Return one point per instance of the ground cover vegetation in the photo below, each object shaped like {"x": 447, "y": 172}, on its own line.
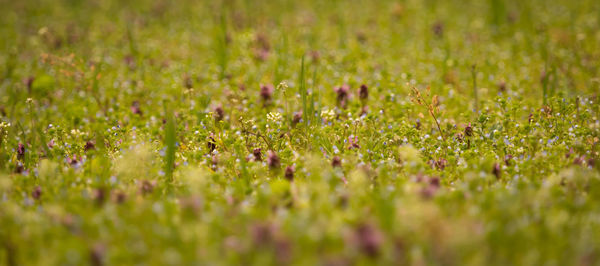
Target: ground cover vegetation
{"x": 299, "y": 132}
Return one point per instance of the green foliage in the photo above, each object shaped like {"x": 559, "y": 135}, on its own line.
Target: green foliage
{"x": 309, "y": 132}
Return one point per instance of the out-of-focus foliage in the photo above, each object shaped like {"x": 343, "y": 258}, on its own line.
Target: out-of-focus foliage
{"x": 299, "y": 132}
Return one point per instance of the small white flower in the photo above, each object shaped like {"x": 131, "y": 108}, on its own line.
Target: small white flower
{"x": 328, "y": 114}
{"x": 274, "y": 117}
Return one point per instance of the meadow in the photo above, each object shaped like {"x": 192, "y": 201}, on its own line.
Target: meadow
{"x": 239, "y": 132}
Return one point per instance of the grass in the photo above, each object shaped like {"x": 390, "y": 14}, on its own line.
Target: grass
{"x": 299, "y": 132}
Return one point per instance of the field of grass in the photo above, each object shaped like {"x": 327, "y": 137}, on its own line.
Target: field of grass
{"x": 240, "y": 132}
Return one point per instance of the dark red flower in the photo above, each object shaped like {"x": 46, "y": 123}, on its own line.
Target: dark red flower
{"x": 289, "y": 173}
{"x": 438, "y": 29}
{"x": 219, "y": 113}
{"x": 135, "y": 108}
{"x": 369, "y": 239}
{"x": 36, "y": 193}
{"x": 502, "y": 86}
{"x": 273, "y": 160}
{"x": 297, "y": 118}
{"x": 262, "y": 233}
{"x": 336, "y": 161}
{"x": 99, "y": 196}
{"x": 72, "y": 160}
{"x": 579, "y": 160}
{"x": 469, "y": 130}
{"x": 97, "y": 255}
{"x": 507, "y": 159}
{"x": 28, "y": 82}
{"x": 89, "y": 145}
{"x": 119, "y": 197}
{"x": 20, "y": 151}
{"x": 187, "y": 81}
{"x": 497, "y": 171}
{"x": 441, "y": 163}
{"x": 343, "y": 93}
{"x": 146, "y": 187}
{"x": 363, "y": 92}
{"x": 266, "y": 92}
{"x": 257, "y": 153}
{"x": 434, "y": 181}
{"x": 211, "y": 144}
